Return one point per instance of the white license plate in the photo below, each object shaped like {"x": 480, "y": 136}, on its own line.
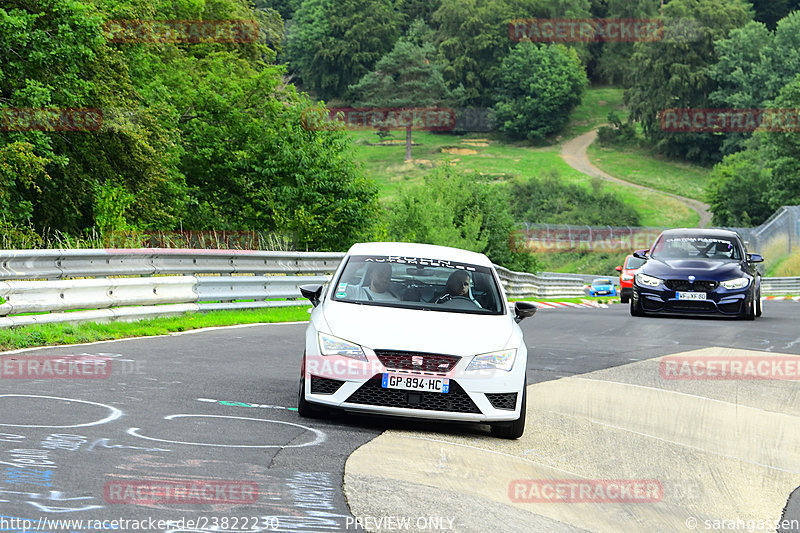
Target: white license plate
{"x": 417, "y": 383}
{"x": 690, "y": 295}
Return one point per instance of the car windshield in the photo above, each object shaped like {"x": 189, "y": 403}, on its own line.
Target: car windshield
{"x": 634, "y": 263}
{"x": 601, "y": 282}
{"x": 696, "y": 247}
{"x": 419, "y": 283}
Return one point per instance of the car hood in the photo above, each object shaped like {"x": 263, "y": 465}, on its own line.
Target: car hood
{"x": 683, "y": 268}
{"x": 390, "y": 328}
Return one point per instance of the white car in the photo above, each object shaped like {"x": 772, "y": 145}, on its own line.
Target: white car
{"x": 416, "y": 330}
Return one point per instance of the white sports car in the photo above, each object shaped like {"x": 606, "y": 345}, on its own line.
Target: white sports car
{"x": 416, "y": 330}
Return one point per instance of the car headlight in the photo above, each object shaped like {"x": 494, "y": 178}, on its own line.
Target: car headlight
{"x": 626, "y": 277}
{"x": 330, "y": 345}
{"x": 648, "y": 281}
{"x": 502, "y": 360}
{"x": 738, "y": 283}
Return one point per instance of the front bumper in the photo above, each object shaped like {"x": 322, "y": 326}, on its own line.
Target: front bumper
{"x": 718, "y": 302}
{"x": 475, "y": 396}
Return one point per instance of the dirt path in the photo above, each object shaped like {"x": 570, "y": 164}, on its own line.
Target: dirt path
{"x": 573, "y": 152}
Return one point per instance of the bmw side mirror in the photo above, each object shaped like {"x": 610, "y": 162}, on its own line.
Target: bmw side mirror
{"x": 640, "y": 254}
{"x": 312, "y": 292}
{"x": 754, "y": 258}
{"x": 524, "y": 310}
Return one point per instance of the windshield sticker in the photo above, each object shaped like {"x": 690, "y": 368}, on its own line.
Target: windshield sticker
{"x": 698, "y": 239}
{"x": 420, "y": 262}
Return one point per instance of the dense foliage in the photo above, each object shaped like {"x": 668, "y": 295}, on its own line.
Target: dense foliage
{"x": 200, "y": 135}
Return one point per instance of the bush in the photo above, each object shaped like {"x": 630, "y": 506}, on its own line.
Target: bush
{"x": 462, "y": 210}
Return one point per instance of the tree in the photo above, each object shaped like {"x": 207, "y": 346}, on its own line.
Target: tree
{"x": 408, "y": 76}
{"x": 56, "y": 57}
{"x": 771, "y": 11}
{"x": 747, "y": 187}
{"x": 472, "y": 35}
{"x": 333, "y": 43}
{"x": 537, "y": 88}
{"x": 674, "y": 72}
{"x": 614, "y": 64}
{"x": 736, "y": 190}
{"x": 753, "y": 65}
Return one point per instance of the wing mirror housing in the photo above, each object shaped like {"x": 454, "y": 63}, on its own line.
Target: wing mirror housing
{"x": 523, "y": 310}
{"x": 640, "y": 254}
{"x": 618, "y": 269}
{"x": 754, "y": 258}
{"x": 312, "y": 292}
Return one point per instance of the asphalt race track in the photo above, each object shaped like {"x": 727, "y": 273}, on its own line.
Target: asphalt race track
{"x": 207, "y": 419}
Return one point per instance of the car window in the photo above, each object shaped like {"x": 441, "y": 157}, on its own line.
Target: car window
{"x": 418, "y": 283}
{"x": 633, "y": 263}
{"x": 696, "y": 247}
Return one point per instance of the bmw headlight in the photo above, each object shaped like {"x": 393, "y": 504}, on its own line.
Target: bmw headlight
{"x": 647, "y": 281}
{"x": 502, "y": 360}
{"x": 738, "y": 283}
{"x": 330, "y": 345}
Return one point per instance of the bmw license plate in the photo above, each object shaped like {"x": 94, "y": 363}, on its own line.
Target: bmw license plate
{"x": 417, "y": 383}
{"x": 690, "y": 295}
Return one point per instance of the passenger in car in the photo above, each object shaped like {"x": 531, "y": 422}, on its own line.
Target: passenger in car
{"x": 377, "y": 283}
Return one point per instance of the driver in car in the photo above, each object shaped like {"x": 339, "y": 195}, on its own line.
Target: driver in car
{"x": 457, "y": 286}
{"x": 379, "y": 277}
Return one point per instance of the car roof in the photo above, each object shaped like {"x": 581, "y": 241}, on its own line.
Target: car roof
{"x": 700, "y": 232}
{"x": 425, "y": 251}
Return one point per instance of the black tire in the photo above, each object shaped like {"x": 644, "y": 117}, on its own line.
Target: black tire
{"x": 758, "y": 303}
{"x": 515, "y": 429}
{"x": 636, "y": 307}
{"x": 304, "y": 408}
{"x": 749, "y": 312}
{"x": 623, "y": 299}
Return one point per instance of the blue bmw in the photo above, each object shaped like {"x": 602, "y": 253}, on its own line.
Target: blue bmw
{"x": 698, "y": 272}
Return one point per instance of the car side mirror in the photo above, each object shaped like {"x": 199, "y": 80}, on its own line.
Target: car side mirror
{"x": 640, "y": 254}
{"x": 524, "y": 310}
{"x": 312, "y": 292}
{"x": 754, "y": 258}
{"x": 619, "y": 269}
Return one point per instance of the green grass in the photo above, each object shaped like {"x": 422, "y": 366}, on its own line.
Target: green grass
{"x": 501, "y": 160}
{"x": 57, "y": 334}
{"x": 593, "y": 111}
{"x": 645, "y": 167}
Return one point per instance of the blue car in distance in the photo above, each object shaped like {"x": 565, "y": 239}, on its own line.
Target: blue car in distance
{"x": 602, "y": 287}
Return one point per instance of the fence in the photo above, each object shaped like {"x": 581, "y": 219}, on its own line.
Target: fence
{"x": 782, "y": 227}
{"x": 130, "y": 284}
{"x": 46, "y": 286}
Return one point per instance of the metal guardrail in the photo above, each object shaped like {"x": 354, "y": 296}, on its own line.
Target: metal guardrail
{"x": 46, "y": 286}
{"x": 780, "y": 286}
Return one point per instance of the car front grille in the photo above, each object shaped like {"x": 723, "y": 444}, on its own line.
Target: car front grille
{"x": 426, "y": 362}
{"x": 699, "y": 306}
{"x": 324, "y": 385}
{"x": 504, "y": 400}
{"x": 685, "y": 285}
{"x": 454, "y": 401}
{"x": 732, "y": 307}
